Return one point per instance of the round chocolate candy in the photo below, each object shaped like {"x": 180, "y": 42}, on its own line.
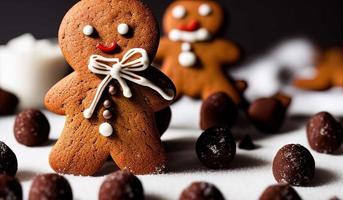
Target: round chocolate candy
{"x": 218, "y": 110}
{"x": 324, "y": 133}
{"x": 50, "y": 186}
{"x": 201, "y": 191}
{"x": 10, "y": 188}
{"x": 216, "y": 148}
{"x": 121, "y": 185}
{"x": 293, "y": 164}
{"x": 31, "y": 128}
{"x": 8, "y": 102}
{"x": 280, "y": 192}
{"x": 8, "y": 160}
{"x": 267, "y": 114}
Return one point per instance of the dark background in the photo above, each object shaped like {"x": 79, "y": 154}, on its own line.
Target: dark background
{"x": 255, "y": 25}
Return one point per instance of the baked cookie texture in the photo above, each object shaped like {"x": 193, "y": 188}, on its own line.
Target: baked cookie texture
{"x": 329, "y": 72}
{"x": 109, "y": 40}
{"x": 193, "y": 55}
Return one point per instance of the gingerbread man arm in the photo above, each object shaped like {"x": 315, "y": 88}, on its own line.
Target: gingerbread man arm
{"x": 226, "y": 52}
{"x": 155, "y": 100}
{"x": 57, "y": 96}
{"x": 162, "y": 50}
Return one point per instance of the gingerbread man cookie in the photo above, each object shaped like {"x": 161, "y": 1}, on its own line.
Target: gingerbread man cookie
{"x": 111, "y": 98}
{"x": 329, "y": 72}
{"x": 194, "y": 56}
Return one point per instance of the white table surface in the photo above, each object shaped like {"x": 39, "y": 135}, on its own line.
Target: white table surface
{"x": 249, "y": 175}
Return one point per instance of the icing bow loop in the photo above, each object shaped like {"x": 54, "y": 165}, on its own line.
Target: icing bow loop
{"x": 122, "y": 71}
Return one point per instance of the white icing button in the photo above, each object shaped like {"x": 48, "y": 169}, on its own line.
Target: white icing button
{"x": 186, "y": 47}
{"x": 88, "y": 30}
{"x": 179, "y": 12}
{"x": 107, "y": 114}
{"x": 107, "y": 104}
{"x": 187, "y": 59}
{"x": 105, "y": 129}
{"x": 205, "y": 10}
{"x": 87, "y": 114}
{"x": 123, "y": 29}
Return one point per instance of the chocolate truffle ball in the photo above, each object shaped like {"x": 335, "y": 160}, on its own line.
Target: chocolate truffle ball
{"x": 8, "y": 160}
{"x": 218, "y": 110}
{"x": 51, "y": 187}
{"x": 201, "y": 191}
{"x": 246, "y": 143}
{"x": 31, "y": 128}
{"x": 8, "y": 102}
{"x": 280, "y": 192}
{"x": 10, "y": 188}
{"x": 121, "y": 185}
{"x": 163, "y": 118}
{"x": 324, "y": 133}
{"x": 293, "y": 164}
{"x": 216, "y": 148}
{"x": 267, "y": 114}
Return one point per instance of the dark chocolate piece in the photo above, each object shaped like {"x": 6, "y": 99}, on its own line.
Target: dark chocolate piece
{"x": 31, "y": 128}
{"x": 324, "y": 133}
{"x": 293, "y": 164}
{"x": 50, "y": 186}
{"x": 201, "y": 191}
{"x": 216, "y": 148}
{"x": 121, "y": 185}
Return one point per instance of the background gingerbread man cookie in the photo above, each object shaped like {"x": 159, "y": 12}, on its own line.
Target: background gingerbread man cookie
{"x": 111, "y": 97}
{"x": 329, "y": 72}
{"x": 194, "y": 56}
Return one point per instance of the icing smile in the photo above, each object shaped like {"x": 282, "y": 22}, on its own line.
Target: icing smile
{"x": 190, "y": 27}
{"x": 107, "y": 49}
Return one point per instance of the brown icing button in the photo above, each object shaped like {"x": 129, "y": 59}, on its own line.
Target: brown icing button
{"x": 8, "y": 102}
{"x": 201, "y": 191}
{"x": 107, "y": 104}
{"x": 267, "y": 114}
{"x": 31, "y": 128}
{"x": 246, "y": 143}
{"x": 121, "y": 185}
{"x": 107, "y": 114}
{"x": 8, "y": 160}
{"x": 163, "y": 118}
{"x": 324, "y": 133}
{"x": 112, "y": 90}
{"x": 10, "y": 188}
{"x": 50, "y": 186}
{"x": 293, "y": 164}
{"x": 218, "y": 110}
{"x": 216, "y": 148}
{"x": 280, "y": 192}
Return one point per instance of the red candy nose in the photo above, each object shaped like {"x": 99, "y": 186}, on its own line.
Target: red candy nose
{"x": 107, "y": 49}
{"x": 191, "y": 26}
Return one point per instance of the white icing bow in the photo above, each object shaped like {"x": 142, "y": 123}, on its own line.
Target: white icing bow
{"x": 121, "y": 70}
{"x": 191, "y": 37}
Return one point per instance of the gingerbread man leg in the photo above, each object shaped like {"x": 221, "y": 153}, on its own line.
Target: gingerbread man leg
{"x": 79, "y": 152}
{"x": 318, "y": 83}
{"x": 138, "y": 147}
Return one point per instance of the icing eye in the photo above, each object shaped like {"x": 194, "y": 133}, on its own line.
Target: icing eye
{"x": 88, "y": 30}
{"x": 205, "y": 10}
{"x": 179, "y": 12}
{"x": 123, "y": 29}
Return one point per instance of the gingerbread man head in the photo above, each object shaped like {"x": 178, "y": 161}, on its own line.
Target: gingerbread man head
{"x": 111, "y": 98}
{"x": 193, "y": 21}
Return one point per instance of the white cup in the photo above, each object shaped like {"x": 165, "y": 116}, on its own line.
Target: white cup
{"x": 29, "y": 68}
